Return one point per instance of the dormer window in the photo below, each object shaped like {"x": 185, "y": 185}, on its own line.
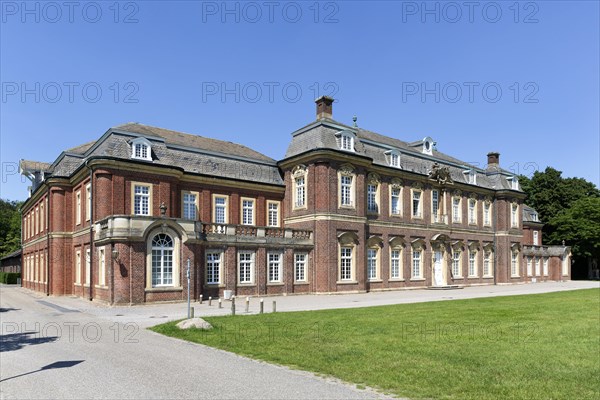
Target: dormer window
{"x": 141, "y": 149}
{"x": 346, "y": 140}
{"x": 514, "y": 182}
{"x": 534, "y": 217}
{"x": 393, "y": 158}
{"x": 347, "y": 143}
{"x": 428, "y": 145}
{"x": 471, "y": 176}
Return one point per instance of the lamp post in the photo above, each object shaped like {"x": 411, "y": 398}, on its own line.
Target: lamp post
{"x": 188, "y": 287}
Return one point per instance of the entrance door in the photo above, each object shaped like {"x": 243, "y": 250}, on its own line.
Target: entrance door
{"x": 438, "y": 273}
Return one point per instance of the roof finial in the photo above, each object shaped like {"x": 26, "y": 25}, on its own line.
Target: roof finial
{"x": 354, "y": 120}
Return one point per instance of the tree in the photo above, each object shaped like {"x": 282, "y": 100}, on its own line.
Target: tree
{"x": 549, "y": 193}
{"x": 10, "y": 226}
{"x": 579, "y": 226}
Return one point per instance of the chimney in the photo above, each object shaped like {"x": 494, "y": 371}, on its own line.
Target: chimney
{"x": 493, "y": 159}
{"x": 324, "y": 107}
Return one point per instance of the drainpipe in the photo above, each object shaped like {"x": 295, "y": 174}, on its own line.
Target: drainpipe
{"x": 91, "y": 205}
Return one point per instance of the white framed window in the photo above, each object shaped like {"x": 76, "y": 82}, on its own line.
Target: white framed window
{"x": 246, "y": 267}
{"x": 346, "y": 184}
{"x": 88, "y": 267}
{"x": 78, "y": 207}
{"x": 514, "y": 215}
{"x": 37, "y": 220}
{"x": 471, "y": 176}
{"x": 395, "y": 160}
{"x": 347, "y": 142}
{"x": 529, "y": 266}
{"x": 417, "y": 260}
{"x": 537, "y": 263}
{"x": 42, "y": 268}
{"x": 488, "y": 263}
{"x": 545, "y": 266}
{"x": 273, "y": 213}
{"x": 417, "y": 204}
{"x": 141, "y": 149}
{"x": 456, "y": 267}
{"x": 472, "y": 211}
{"x": 274, "y": 260}
{"x": 247, "y": 206}
{"x": 395, "y": 263}
{"x": 514, "y": 182}
{"x": 535, "y": 238}
{"x": 372, "y": 264}
{"x": 142, "y": 195}
{"x": 300, "y": 267}
{"x": 101, "y": 267}
{"x": 346, "y": 263}
{"x": 78, "y": 267}
{"x": 189, "y": 205}
{"x": 213, "y": 267}
{"x": 300, "y": 192}
{"x": 372, "y": 195}
{"x": 220, "y": 214}
{"x": 162, "y": 260}
{"x": 472, "y": 263}
{"x": 435, "y": 206}
{"x": 396, "y": 201}
{"x": 487, "y": 213}
{"x": 88, "y": 201}
{"x": 514, "y": 263}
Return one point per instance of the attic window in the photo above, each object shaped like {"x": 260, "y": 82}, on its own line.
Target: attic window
{"x": 393, "y": 158}
{"x": 347, "y": 142}
{"x": 534, "y": 216}
{"x": 428, "y": 145}
{"x": 514, "y": 182}
{"x": 141, "y": 149}
{"x": 471, "y": 176}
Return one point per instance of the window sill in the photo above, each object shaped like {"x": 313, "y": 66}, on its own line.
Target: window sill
{"x": 100, "y": 286}
{"x": 396, "y": 215}
{"x": 374, "y": 280}
{"x": 396, "y": 280}
{"x": 458, "y": 277}
{"x": 417, "y": 279}
{"x": 472, "y": 277}
{"x": 74, "y": 284}
{"x": 249, "y": 284}
{"x": 487, "y": 276}
{"x": 347, "y": 207}
{"x": 346, "y": 282}
{"x": 214, "y": 285}
{"x": 299, "y": 208}
{"x": 275, "y": 284}
{"x": 300, "y": 283}
{"x": 164, "y": 289}
{"x": 515, "y": 276}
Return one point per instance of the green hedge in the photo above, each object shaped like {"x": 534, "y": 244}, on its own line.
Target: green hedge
{"x": 9, "y": 277}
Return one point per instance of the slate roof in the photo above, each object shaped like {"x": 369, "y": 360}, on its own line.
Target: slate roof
{"x": 192, "y": 153}
{"x": 528, "y": 215}
{"x": 322, "y": 135}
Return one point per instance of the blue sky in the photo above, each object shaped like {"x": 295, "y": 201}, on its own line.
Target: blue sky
{"x": 518, "y": 78}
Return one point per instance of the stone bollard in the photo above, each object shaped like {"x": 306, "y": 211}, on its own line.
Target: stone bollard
{"x": 200, "y": 299}
{"x": 210, "y": 300}
{"x": 247, "y": 304}
{"x": 274, "y": 306}
{"x": 192, "y": 312}
{"x": 220, "y": 303}
{"x": 262, "y": 306}
{"x": 233, "y": 306}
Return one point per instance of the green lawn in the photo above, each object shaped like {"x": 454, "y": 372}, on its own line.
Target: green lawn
{"x": 526, "y": 347}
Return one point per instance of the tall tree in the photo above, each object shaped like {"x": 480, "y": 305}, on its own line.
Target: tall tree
{"x": 579, "y": 226}
{"x": 10, "y": 226}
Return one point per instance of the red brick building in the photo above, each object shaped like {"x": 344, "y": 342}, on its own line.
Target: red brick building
{"x": 347, "y": 210}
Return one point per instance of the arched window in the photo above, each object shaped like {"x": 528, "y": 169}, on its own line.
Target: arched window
{"x": 162, "y": 260}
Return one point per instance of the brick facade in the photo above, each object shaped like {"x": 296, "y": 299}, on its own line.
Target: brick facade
{"x": 60, "y": 227}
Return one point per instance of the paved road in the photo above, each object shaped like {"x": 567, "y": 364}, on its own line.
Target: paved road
{"x": 49, "y": 351}
{"x": 105, "y": 352}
